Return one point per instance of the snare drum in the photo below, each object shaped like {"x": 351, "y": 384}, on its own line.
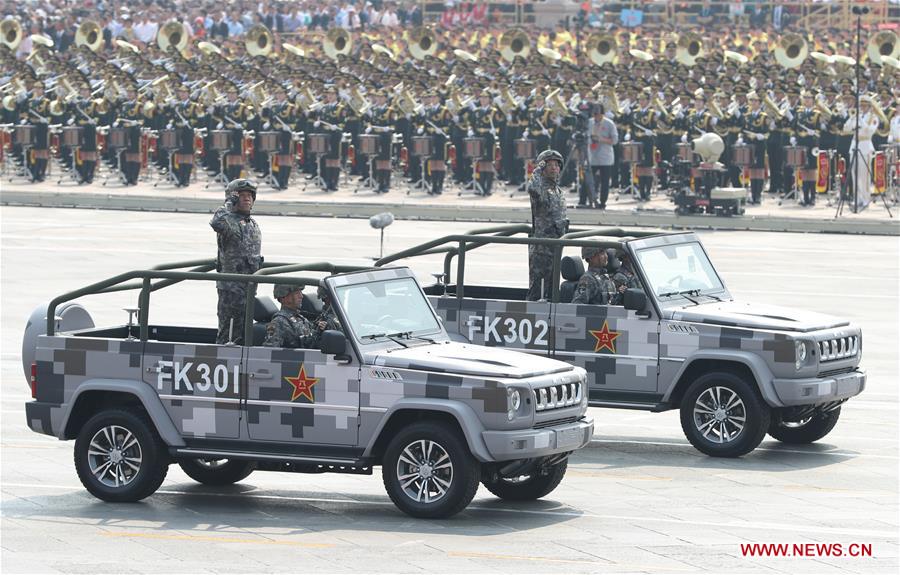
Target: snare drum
{"x": 473, "y": 147}
{"x": 318, "y": 143}
{"x": 421, "y": 146}
{"x": 684, "y": 152}
{"x": 368, "y": 144}
{"x": 795, "y": 156}
{"x": 742, "y": 155}
{"x": 25, "y": 135}
{"x": 267, "y": 141}
{"x": 524, "y": 149}
{"x": 71, "y": 136}
{"x": 220, "y": 140}
{"x": 118, "y": 138}
{"x": 632, "y": 152}
{"x": 168, "y": 139}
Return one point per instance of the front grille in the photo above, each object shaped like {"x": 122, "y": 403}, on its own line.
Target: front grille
{"x": 551, "y": 423}
{"x": 557, "y": 396}
{"x": 838, "y": 348}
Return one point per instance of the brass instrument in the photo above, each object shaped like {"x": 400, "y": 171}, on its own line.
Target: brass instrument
{"x": 732, "y": 56}
{"x": 358, "y": 102}
{"x": 770, "y": 105}
{"x": 11, "y": 34}
{"x": 688, "y": 48}
{"x": 463, "y": 55}
{"x": 641, "y": 55}
{"x": 555, "y": 103}
{"x": 259, "y": 41}
{"x": 337, "y": 42}
{"x": 406, "y": 103}
{"x": 508, "y": 103}
{"x": 209, "y": 48}
{"x": 879, "y": 111}
{"x": 550, "y": 55}
{"x": 126, "y": 46}
{"x": 791, "y": 51}
{"x": 89, "y": 34}
{"x": 515, "y": 43}
{"x": 41, "y": 40}
{"x": 601, "y": 48}
{"x": 422, "y": 43}
{"x": 9, "y": 102}
{"x": 380, "y": 49}
{"x": 295, "y": 50}
{"x": 172, "y": 35}
{"x": 884, "y": 43}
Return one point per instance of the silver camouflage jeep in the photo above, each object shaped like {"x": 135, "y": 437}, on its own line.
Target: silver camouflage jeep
{"x": 394, "y": 390}
{"x": 735, "y": 370}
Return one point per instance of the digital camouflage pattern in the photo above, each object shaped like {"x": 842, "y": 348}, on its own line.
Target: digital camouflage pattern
{"x": 548, "y": 215}
{"x": 624, "y": 277}
{"x": 330, "y": 318}
{"x": 594, "y": 287}
{"x": 289, "y": 328}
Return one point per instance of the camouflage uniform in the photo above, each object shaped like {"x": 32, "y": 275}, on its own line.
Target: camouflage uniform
{"x": 594, "y": 287}
{"x": 548, "y": 213}
{"x": 290, "y": 329}
{"x": 239, "y": 242}
{"x": 330, "y": 318}
{"x": 624, "y": 277}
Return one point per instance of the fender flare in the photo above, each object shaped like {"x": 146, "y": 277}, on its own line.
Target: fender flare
{"x": 147, "y": 396}
{"x": 471, "y": 426}
{"x": 757, "y": 366}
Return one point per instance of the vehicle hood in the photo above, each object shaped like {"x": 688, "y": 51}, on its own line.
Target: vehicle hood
{"x": 756, "y": 316}
{"x": 474, "y": 360}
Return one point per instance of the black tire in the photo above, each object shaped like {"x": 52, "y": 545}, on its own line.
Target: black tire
{"x": 141, "y": 466}
{"x": 527, "y": 487}
{"x": 741, "y": 427}
{"x": 458, "y": 482}
{"x": 812, "y": 430}
{"x": 216, "y": 471}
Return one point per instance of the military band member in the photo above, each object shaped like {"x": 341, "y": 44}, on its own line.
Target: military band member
{"x": 644, "y": 125}
{"x": 809, "y": 124}
{"x": 234, "y": 116}
{"x": 516, "y": 123}
{"x": 279, "y": 116}
{"x": 862, "y": 149}
{"x": 330, "y": 120}
{"x": 131, "y": 117}
{"x": 756, "y": 131}
{"x": 181, "y": 116}
{"x": 485, "y": 121}
{"x": 37, "y": 113}
{"x": 540, "y": 120}
{"x": 436, "y": 121}
{"x": 382, "y": 120}
{"x": 548, "y": 220}
{"x": 84, "y": 113}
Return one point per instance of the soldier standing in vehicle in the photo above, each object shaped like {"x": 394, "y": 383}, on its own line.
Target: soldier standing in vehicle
{"x": 548, "y": 220}
{"x": 239, "y": 243}
{"x": 594, "y": 286}
{"x": 288, "y": 327}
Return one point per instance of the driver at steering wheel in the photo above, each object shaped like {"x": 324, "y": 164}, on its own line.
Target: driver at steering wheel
{"x": 594, "y": 286}
{"x": 288, "y": 327}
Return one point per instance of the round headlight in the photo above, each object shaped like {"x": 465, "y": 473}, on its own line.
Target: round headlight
{"x": 515, "y": 400}
{"x": 800, "y": 353}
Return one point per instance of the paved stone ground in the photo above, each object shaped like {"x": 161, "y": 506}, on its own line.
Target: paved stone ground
{"x": 639, "y": 499}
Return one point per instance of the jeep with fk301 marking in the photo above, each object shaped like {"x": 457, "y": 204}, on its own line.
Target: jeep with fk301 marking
{"x": 734, "y": 369}
{"x": 440, "y": 417}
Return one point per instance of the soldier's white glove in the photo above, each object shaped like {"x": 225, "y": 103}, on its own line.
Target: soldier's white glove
{"x": 739, "y": 141}
{"x": 546, "y": 132}
{"x": 70, "y": 122}
{"x": 316, "y": 124}
{"x": 793, "y": 141}
{"x": 760, "y": 136}
{"x": 627, "y": 136}
{"x": 266, "y": 126}
{"x": 456, "y": 118}
{"x": 470, "y": 133}
{"x": 648, "y": 132}
{"x": 420, "y": 131}
{"x": 713, "y": 120}
{"x": 169, "y": 126}
{"x": 509, "y": 117}
{"x": 684, "y": 138}
{"x": 369, "y": 130}
{"x": 525, "y": 135}
{"x": 558, "y": 121}
{"x": 810, "y": 132}
{"x": 220, "y": 125}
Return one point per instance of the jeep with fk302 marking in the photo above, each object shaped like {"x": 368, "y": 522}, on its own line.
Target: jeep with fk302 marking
{"x": 440, "y": 417}
{"x": 735, "y": 370}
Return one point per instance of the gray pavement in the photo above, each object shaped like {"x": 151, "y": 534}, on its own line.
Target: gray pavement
{"x": 639, "y": 499}
{"x": 506, "y": 204}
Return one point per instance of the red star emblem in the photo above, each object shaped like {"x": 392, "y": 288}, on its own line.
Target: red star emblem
{"x": 302, "y": 384}
{"x": 605, "y": 338}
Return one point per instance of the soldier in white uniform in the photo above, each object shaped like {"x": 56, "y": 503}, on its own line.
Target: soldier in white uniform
{"x": 861, "y": 151}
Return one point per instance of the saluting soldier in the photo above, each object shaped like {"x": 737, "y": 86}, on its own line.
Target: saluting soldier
{"x": 548, "y": 220}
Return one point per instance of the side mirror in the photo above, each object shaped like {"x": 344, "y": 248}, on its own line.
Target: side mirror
{"x": 333, "y": 343}
{"x": 636, "y": 300}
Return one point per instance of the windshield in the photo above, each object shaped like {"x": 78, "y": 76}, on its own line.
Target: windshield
{"x": 385, "y": 308}
{"x": 679, "y": 270}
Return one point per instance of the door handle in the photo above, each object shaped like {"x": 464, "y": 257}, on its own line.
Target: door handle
{"x": 567, "y": 328}
{"x": 261, "y": 374}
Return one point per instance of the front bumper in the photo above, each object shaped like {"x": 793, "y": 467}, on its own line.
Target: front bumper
{"x": 814, "y": 390}
{"x": 532, "y": 443}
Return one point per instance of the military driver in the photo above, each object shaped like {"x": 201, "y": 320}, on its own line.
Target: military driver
{"x": 595, "y": 286}
{"x": 239, "y": 242}
{"x": 288, "y": 327}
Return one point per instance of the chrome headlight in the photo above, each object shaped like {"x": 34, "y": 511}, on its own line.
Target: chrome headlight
{"x": 801, "y": 354}
{"x": 513, "y": 403}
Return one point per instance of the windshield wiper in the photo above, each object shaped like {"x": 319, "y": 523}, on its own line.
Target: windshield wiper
{"x": 715, "y": 297}
{"x": 684, "y": 294}
{"x": 390, "y": 336}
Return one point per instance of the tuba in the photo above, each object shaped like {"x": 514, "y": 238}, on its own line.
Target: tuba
{"x": 89, "y": 34}
{"x": 337, "y": 42}
{"x": 11, "y": 33}
{"x": 791, "y": 50}
{"x": 422, "y": 43}
{"x": 688, "y": 48}
{"x": 259, "y": 41}
{"x": 601, "y": 48}
{"x": 515, "y": 43}
{"x": 172, "y": 35}
{"x": 884, "y": 43}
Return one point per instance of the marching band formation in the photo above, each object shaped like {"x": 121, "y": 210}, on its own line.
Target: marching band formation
{"x": 474, "y": 108}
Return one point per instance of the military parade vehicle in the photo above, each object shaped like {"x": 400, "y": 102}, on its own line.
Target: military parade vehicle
{"x": 735, "y": 370}
{"x": 390, "y": 389}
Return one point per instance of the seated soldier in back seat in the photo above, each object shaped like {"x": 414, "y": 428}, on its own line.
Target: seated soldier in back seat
{"x": 594, "y": 286}
{"x": 288, "y": 327}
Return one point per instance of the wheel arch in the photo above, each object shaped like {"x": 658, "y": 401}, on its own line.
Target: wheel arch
{"x": 95, "y": 395}
{"x": 747, "y": 365}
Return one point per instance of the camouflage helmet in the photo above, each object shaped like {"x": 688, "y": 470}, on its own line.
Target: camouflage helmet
{"x": 587, "y": 252}
{"x": 240, "y": 185}
{"x": 283, "y": 290}
{"x": 549, "y": 155}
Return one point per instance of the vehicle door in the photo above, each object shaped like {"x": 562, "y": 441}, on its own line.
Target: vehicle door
{"x": 520, "y": 325}
{"x": 301, "y": 396}
{"x": 618, "y": 349}
{"x": 198, "y": 384}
